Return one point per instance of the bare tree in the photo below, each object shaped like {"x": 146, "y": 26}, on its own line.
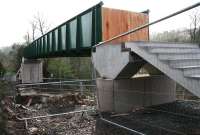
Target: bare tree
{"x": 41, "y": 24}
{"x": 27, "y": 38}
{"x": 33, "y": 28}
{"x": 195, "y": 26}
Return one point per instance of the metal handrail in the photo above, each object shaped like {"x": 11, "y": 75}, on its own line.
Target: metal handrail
{"x": 121, "y": 126}
{"x": 53, "y": 115}
{"x": 44, "y": 83}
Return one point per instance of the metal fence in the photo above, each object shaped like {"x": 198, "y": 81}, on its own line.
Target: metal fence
{"x": 55, "y": 99}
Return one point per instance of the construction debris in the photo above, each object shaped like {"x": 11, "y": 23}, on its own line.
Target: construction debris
{"x": 78, "y": 124}
{"x": 180, "y": 117}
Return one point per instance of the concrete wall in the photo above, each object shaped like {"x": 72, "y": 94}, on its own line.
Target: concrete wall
{"x": 124, "y": 95}
{"x": 31, "y": 71}
{"x": 109, "y": 56}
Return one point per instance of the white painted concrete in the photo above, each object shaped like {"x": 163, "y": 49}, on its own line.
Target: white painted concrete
{"x": 178, "y": 61}
{"x": 31, "y": 71}
{"x": 112, "y": 62}
{"x": 192, "y": 84}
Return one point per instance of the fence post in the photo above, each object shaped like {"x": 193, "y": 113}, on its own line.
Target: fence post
{"x": 81, "y": 87}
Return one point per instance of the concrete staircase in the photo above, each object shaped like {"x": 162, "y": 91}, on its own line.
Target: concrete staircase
{"x": 180, "y": 62}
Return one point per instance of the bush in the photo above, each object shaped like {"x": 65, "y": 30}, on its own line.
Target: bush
{"x": 2, "y": 70}
{"x": 2, "y": 114}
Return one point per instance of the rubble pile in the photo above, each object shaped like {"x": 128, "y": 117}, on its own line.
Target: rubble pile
{"x": 33, "y": 106}
{"x": 73, "y": 124}
{"x": 179, "y": 117}
{"x": 13, "y": 125}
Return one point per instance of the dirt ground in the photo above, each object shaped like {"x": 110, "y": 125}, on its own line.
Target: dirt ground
{"x": 32, "y": 106}
{"x": 176, "y": 118}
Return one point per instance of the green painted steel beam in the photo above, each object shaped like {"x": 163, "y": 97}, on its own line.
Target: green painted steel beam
{"x": 74, "y": 38}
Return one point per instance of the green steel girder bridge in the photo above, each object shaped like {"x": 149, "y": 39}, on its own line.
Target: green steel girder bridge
{"x": 116, "y": 64}
{"x": 76, "y": 37}
{"x": 72, "y": 38}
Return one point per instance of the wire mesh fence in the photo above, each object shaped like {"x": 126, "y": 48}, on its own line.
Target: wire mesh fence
{"x": 61, "y": 102}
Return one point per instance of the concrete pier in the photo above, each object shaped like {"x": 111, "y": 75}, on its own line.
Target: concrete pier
{"x": 125, "y": 95}
{"x": 31, "y": 71}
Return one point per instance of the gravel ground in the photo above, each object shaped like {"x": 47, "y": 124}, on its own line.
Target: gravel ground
{"x": 75, "y": 124}
{"x": 175, "y": 118}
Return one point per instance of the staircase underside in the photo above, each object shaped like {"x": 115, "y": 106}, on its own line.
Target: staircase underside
{"x": 180, "y": 62}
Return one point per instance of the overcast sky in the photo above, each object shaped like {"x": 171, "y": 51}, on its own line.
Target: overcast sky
{"x": 16, "y": 15}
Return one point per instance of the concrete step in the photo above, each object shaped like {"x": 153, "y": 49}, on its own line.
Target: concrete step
{"x": 187, "y": 56}
{"x": 194, "y": 76}
{"x": 192, "y": 72}
{"x": 188, "y": 77}
{"x": 182, "y": 64}
{"x": 166, "y": 45}
{"x": 166, "y": 50}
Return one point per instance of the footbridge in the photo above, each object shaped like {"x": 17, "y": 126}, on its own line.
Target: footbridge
{"x": 118, "y": 58}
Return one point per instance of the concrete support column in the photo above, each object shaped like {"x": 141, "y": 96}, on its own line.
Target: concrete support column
{"x": 105, "y": 92}
{"x": 31, "y": 71}
{"x": 124, "y": 95}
